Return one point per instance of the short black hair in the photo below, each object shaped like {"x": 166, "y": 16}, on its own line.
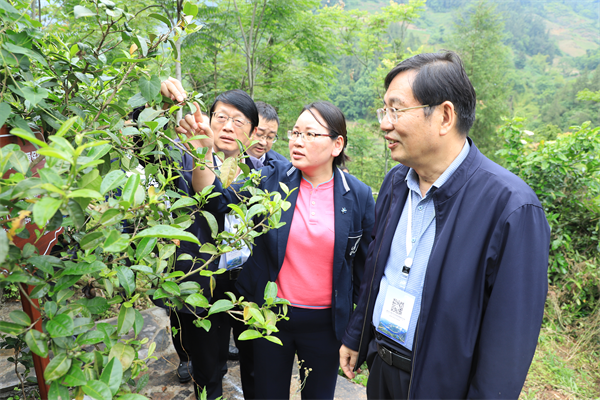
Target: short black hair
{"x": 336, "y": 124}
{"x": 240, "y": 100}
{"x": 267, "y": 111}
{"x": 440, "y": 77}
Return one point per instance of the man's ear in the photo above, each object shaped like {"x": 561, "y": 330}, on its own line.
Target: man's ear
{"x": 449, "y": 118}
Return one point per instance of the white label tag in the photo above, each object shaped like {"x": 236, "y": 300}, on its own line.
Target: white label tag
{"x": 234, "y": 259}
{"x": 395, "y": 317}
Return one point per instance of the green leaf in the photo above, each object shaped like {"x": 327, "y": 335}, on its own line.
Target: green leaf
{"x": 274, "y": 339}
{"x": 81, "y": 11}
{"x": 112, "y": 180}
{"x": 19, "y": 161}
{"x": 97, "y": 305}
{"x": 57, "y": 367}
{"x": 143, "y": 46}
{"x": 125, "y": 320}
{"x": 64, "y": 128}
{"x": 161, "y": 18}
{"x": 50, "y": 308}
{"x": 256, "y": 209}
{"x": 126, "y": 279}
{"x": 75, "y": 376}
{"x": 220, "y": 306}
{"x": 110, "y": 217}
{"x": 5, "y": 112}
{"x": 90, "y": 337}
{"x": 58, "y": 392}
{"x": 166, "y": 231}
{"x": 184, "y": 202}
{"x": 60, "y": 326}
{"x": 45, "y": 209}
{"x": 20, "y": 317}
{"x": 23, "y": 134}
{"x": 130, "y": 187}
{"x": 197, "y": 300}
{"x": 10, "y": 328}
{"x": 76, "y": 213}
{"x": 82, "y": 325}
{"x": 91, "y": 240}
{"x": 83, "y": 268}
{"x": 190, "y": 9}
{"x": 212, "y": 223}
{"x": 270, "y": 291}
{"x": 97, "y": 390}
{"x": 116, "y": 242}
{"x": 87, "y": 193}
{"x": 124, "y": 353}
{"x": 203, "y": 323}
{"x": 34, "y": 340}
{"x": 250, "y": 334}
{"x": 53, "y": 152}
{"x": 150, "y": 88}
{"x": 171, "y": 287}
{"x": 138, "y": 324}
{"x": 145, "y": 247}
{"x": 112, "y": 375}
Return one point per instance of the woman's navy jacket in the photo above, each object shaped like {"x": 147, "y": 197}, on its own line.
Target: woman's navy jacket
{"x": 354, "y": 218}
{"x": 485, "y": 285}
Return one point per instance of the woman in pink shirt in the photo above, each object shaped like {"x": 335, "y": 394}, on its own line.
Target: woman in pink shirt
{"x": 317, "y": 258}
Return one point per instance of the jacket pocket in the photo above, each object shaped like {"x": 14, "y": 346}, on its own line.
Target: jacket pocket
{"x": 353, "y": 243}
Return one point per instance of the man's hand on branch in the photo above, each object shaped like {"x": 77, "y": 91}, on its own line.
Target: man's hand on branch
{"x": 194, "y": 125}
{"x": 172, "y": 89}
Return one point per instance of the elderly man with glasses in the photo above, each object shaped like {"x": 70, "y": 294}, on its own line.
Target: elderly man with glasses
{"x": 457, "y": 270}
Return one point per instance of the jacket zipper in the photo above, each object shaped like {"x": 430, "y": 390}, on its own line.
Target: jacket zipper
{"x": 362, "y": 333}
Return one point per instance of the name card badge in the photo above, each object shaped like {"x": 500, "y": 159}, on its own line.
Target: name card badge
{"x": 234, "y": 259}
{"x": 395, "y": 317}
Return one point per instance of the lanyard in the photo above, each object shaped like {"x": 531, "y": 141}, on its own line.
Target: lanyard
{"x": 410, "y": 247}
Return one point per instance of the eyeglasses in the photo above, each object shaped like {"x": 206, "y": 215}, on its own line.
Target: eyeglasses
{"x": 307, "y": 136}
{"x": 265, "y": 135}
{"x": 392, "y": 113}
{"x": 223, "y": 118}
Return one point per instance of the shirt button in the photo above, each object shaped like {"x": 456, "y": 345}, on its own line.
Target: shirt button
{"x": 414, "y": 240}
{"x": 420, "y": 208}
{"x": 313, "y": 203}
{"x": 312, "y": 213}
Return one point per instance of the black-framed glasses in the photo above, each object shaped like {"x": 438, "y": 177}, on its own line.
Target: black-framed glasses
{"x": 221, "y": 118}
{"x": 392, "y": 113}
{"x": 307, "y": 136}
{"x": 264, "y": 135}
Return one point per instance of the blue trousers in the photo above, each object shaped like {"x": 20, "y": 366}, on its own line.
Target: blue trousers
{"x": 308, "y": 333}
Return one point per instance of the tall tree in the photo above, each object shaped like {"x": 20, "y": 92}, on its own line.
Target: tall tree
{"x": 478, "y": 38}
{"x": 278, "y": 51}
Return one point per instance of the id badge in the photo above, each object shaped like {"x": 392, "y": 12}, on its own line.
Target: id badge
{"x": 395, "y": 317}
{"x": 234, "y": 259}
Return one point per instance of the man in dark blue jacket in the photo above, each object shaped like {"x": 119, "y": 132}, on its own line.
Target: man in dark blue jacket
{"x": 233, "y": 115}
{"x": 453, "y": 294}
{"x": 266, "y": 135}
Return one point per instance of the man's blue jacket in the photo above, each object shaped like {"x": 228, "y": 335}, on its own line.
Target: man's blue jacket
{"x": 272, "y": 155}
{"x": 353, "y": 208}
{"x": 200, "y": 228}
{"x": 485, "y": 285}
